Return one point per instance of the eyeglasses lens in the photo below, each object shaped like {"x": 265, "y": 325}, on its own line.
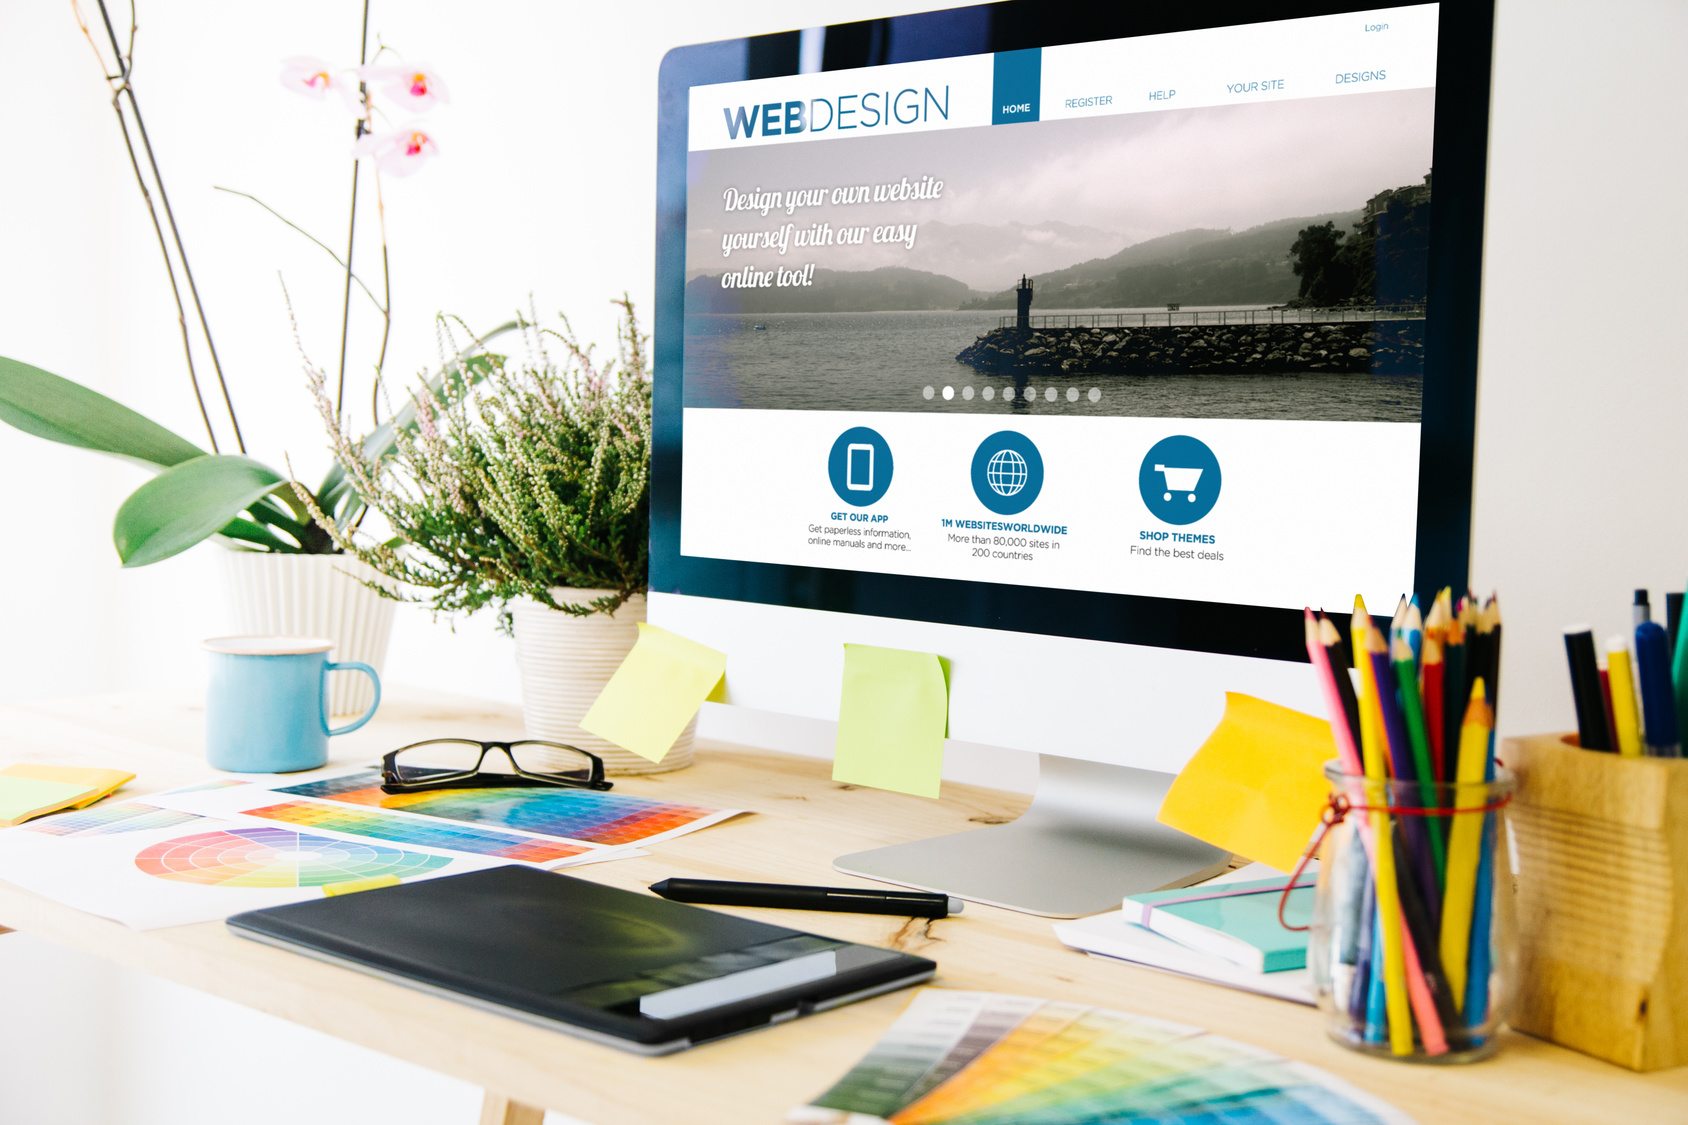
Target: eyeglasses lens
{"x": 552, "y": 759}
{"x": 441, "y": 758}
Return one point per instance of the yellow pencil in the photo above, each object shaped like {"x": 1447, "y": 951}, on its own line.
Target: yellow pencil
{"x": 1397, "y": 1005}
{"x": 1465, "y": 841}
{"x": 1624, "y": 717}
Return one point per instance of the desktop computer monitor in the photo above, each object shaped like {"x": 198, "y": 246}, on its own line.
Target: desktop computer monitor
{"x": 1082, "y": 347}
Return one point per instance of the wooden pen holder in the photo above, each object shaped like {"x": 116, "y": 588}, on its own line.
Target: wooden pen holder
{"x": 1602, "y": 900}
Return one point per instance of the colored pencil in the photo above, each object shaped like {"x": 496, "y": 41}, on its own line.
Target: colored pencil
{"x": 1422, "y": 992}
{"x": 1397, "y": 1007}
{"x": 1679, "y": 673}
{"x": 1336, "y": 656}
{"x": 1454, "y": 688}
{"x": 1412, "y": 628}
{"x": 1476, "y": 1010}
{"x": 1489, "y": 624}
{"x": 1412, "y": 829}
{"x": 1360, "y": 999}
{"x": 1606, "y": 707}
{"x": 1466, "y": 836}
{"x": 1341, "y": 725}
{"x": 1626, "y": 719}
{"x": 1412, "y": 715}
{"x": 1432, "y": 680}
{"x": 1427, "y": 987}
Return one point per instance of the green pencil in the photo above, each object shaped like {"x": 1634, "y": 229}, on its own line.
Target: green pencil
{"x": 1679, "y": 672}
{"x": 1412, "y": 711}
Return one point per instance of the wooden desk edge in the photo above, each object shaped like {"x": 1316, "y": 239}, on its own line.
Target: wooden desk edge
{"x": 994, "y": 950}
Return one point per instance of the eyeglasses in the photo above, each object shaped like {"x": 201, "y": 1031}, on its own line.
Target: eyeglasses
{"x": 455, "y": 763}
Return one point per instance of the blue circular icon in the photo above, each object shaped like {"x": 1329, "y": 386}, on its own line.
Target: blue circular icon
{"x": 859, "y": 466}
{"x": 1007, "y": 472}
{"x": 1179, "y": 479}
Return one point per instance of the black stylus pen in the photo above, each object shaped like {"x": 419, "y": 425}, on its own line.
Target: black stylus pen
{"x": 845, "y": 900}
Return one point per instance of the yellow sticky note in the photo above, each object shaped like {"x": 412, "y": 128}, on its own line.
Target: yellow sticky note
{"x": 1257, "y": 785}
{"x": 24, "y": 797}
{"x": 892, "y": 720}
{"x": 95, "y": 782}
{"x": 353, "y": 886}
{"x": 656, "y": 691}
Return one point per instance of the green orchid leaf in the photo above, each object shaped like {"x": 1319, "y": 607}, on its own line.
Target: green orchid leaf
{"x": 246, "y": 531}
{"x": 188, "y": 503}
{"x": 474, "y": 366}
{"x": 48, "y": 406}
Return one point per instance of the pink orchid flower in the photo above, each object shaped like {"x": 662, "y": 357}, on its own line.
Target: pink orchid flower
{"x": 398, "y": 153}
{"x": 307, "y": 76}
{"x": 417, "y": 88}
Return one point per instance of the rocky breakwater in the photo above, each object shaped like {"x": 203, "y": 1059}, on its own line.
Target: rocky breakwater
{"x": 1386, "y": 347}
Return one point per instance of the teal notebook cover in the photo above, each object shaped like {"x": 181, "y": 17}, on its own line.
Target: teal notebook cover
{"x": 1236, "y": 921}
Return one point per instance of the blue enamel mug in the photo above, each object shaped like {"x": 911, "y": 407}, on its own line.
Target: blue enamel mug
{"x": 267, "y": 707}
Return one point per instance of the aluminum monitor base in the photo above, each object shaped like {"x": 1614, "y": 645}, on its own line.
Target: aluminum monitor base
{"x": 1089, "y": 838}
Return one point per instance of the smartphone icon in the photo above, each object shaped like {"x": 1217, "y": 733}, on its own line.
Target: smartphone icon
{"x": 858, "y": 467}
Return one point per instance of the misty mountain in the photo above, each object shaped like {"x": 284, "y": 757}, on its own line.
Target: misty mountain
{"x": 890, "y": 288}
{"x": 987, "y": 256}
{"x": 1191, "y": 267}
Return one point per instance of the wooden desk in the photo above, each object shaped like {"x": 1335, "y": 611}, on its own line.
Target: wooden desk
{"x": 803, "y": 820}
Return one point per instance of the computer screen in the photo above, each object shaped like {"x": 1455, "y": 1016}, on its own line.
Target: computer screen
{"x": 1139, "y": 330}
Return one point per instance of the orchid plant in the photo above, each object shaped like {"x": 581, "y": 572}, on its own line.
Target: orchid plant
{"x": 195, "y": 494}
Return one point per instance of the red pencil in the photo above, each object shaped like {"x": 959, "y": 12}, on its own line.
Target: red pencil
{"x": 1433, "y": 676}
{"x": 1606, "y": 701}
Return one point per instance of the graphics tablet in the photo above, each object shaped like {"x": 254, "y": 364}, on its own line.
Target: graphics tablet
{"x": 626, "y": 969}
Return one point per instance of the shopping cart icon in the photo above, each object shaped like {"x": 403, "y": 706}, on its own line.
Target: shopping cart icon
{"x": 1179, "y": 480}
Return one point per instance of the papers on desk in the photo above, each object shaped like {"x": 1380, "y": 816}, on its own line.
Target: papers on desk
{"x": 1116, "y": 935}
{"x": 207, "y": 851}
{"x": 975, "y": 1056}
{"x": 149, "y": 867}
{"x": 553, "y": 823}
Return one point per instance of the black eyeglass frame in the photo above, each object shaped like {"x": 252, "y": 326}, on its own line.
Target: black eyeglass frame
{"x": 475, "y": 778}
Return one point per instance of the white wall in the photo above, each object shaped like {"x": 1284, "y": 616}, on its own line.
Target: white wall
{"x": 546, "y": 188}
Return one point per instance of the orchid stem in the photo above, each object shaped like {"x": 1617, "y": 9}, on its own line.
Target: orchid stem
{"x": 125, "y": 89}
{"x": 352, "y": 224}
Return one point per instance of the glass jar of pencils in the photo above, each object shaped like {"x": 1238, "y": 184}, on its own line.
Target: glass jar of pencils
{"x": 1412, "y": 949}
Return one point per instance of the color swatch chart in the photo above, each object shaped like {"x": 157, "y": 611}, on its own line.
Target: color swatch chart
{"x": 398, "y": 830}
{"x": 277, "y": 857}
{"x": 569, "y": 814}
{"x": 991, "y": 1059}
{"x": 105, "y": 820}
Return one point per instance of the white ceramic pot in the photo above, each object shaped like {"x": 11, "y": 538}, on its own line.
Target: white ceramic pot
{"x": 313, "y": 596}
{"x": 565, "y": 662}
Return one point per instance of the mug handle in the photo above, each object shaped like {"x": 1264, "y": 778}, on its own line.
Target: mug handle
{"x": 350, "y": 666}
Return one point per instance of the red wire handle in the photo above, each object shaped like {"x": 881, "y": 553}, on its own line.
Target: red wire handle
{"x": 1337, "y": 810}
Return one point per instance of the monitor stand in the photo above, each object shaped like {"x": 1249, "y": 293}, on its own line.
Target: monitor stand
{"x": 1089, "y": 839}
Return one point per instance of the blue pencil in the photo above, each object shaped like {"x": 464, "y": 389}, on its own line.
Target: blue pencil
{"x": 1482, "y": 917}
{"x": 1359, "y": 998}
{"x": 1411, "y": 829}
{"x": 1377, "y": 1011}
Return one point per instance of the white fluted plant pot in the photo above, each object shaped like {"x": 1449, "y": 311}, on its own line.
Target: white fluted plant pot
{"x": 565, "y": 662}
{"x": 313, "y": 596}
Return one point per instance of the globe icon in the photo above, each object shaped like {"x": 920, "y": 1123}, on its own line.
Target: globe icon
{"x": 1006, "y": 472}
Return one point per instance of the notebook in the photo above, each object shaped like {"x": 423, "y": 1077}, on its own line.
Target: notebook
{"x": 622, "y": 968}
{"x": 1237, "y": 921}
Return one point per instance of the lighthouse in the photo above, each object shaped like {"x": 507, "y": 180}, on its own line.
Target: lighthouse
{"x": 1023, "y": 303}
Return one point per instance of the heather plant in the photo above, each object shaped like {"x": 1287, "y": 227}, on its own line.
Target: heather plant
{"x": 520, "y": 476}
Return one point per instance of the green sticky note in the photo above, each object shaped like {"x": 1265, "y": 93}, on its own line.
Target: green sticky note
{"x": 22, "y": 797}
{"x": 892, "y": 720}
{"x": 656, "y": 691}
